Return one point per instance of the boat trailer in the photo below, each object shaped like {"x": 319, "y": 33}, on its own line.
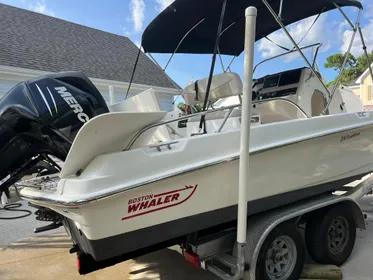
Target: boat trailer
{"x": 215, "y": 254}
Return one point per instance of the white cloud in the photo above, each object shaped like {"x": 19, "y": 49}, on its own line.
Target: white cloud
{"x": 162, "y": 4}
{"x": 343, "y": 26}
{"x": 368, "y": 8}
{"x": 41, "y": 7}
{"x": 126, "y": 32}
{"x": 319, "y": 33}
{"x": 137, "y": 8}
{"x": 357, "y": 48}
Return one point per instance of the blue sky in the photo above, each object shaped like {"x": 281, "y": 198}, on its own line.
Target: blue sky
{"x": 130, "y": 17}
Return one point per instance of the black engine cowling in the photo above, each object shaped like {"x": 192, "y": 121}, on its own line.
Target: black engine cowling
{"x": 42, "y": 117}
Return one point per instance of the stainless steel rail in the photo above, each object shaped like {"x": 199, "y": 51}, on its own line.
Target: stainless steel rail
{"x": 347, "y": 54}
{"x": 287, "y": 33}
{"x": 139, "y": 133}
{"x": 289, "y": 52}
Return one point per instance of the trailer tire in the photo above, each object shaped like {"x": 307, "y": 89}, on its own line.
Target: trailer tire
{"x": 330, "y": 235}
{"x": 282, "y": 254}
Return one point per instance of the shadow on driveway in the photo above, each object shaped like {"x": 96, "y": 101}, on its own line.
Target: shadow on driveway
{"x": 59, "y": 240}
{"x": 166, "y": 264}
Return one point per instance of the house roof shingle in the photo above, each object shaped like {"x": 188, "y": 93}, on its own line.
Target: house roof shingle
{"x": 36, "y": 41}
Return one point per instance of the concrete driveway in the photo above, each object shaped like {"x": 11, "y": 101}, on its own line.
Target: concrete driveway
{"x": 46, "y": 257}
{"x": 13, "y": 230}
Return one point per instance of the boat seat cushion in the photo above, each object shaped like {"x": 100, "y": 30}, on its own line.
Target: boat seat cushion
{"x": 222, "y": 85}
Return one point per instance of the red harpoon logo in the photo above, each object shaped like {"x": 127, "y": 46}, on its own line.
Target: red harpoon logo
{"x": 155, "y": 202}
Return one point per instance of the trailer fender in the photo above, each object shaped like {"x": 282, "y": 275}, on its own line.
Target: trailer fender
{"x": 358, "y": 214}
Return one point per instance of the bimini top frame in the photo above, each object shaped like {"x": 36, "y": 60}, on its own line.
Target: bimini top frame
{"x": 194, "y": 23}
{"x": 194, "y": 35}
{"x": 197, "y": 33}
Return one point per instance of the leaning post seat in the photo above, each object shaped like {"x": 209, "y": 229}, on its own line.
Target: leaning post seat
{"x": 222, "y": 85}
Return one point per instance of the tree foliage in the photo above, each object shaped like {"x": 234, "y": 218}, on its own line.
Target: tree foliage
{"x": 198, "y": 107}
{"x": 335, "y": 61}
{"x": 181, "y": 106}
{"x": 354, "y": 66}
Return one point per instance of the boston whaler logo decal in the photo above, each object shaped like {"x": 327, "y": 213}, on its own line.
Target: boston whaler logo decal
{"x": 155, "y": 202}
{"x": 71, "y": 101}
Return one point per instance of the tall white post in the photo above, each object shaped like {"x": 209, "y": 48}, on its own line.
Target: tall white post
{"x": 111, "y": 95}
{"x": 250, "y": 14}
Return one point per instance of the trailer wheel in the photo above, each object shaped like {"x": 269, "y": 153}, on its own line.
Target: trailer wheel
{"x": 282, "y": 254}
{"x": 330, "y": 237}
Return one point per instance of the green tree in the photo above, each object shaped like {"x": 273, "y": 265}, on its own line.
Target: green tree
{"x": 335, "y": 61}
{"x": 354, "y": 66}
{"x": 181, "y": 106}
{"x": 362, "y": 63}
{"x": 198, "y": 107}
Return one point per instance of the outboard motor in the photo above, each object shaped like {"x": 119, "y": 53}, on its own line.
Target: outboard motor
{"x": 40, "y": 118}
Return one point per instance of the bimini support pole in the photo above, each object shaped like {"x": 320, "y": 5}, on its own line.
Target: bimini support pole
{"x": 365, "y": 51}
{"x": 133, "y": 72}
{"x": 202, "y": 122}
{"x": 347, "y": 54}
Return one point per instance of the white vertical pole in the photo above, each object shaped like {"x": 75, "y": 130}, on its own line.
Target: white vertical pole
{"x": 111, "y": 95}
{"x": 250, "y": 14}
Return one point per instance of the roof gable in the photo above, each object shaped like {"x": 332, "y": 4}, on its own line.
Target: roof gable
{"x": 354, "y": 83}
{"x": 362, "y": 76}
{"x": 37, "y": 41}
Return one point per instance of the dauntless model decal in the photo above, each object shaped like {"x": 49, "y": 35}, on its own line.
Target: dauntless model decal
{"x": 155, "y": 202}
{"x": 349, "y": 136}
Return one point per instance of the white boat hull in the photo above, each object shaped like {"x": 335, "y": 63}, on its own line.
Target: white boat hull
{"x": 157, "y": 196}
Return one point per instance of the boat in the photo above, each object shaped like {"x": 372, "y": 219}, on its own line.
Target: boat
{"x": 129, "y": 188}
